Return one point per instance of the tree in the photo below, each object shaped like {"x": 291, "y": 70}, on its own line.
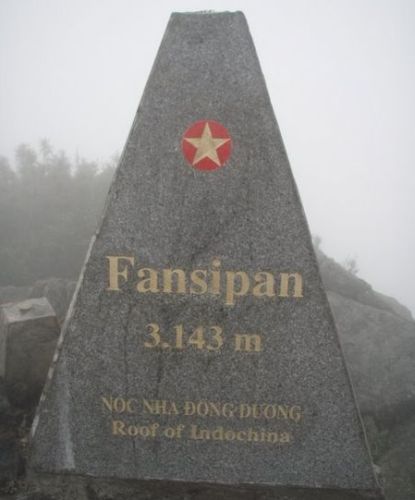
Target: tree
{"x": 350, "y": 264}
{"x": 49, "y": 209}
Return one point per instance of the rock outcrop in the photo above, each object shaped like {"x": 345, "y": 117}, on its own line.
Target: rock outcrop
{"x": 378, "y": 339}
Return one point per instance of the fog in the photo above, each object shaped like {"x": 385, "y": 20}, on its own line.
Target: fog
{"x": 341, "y": 75}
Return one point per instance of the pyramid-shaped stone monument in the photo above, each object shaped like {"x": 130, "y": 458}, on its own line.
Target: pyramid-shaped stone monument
{"x": 199, "y": 358}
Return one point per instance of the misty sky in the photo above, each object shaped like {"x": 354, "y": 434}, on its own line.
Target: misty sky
{"x": 341, "y": 75}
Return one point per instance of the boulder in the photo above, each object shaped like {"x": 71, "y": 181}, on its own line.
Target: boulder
{"x": 337, "y": 279}
{"x": 379, "y": 347}
{"x": 28, "y": 334}
{"x": 378, "y": 339}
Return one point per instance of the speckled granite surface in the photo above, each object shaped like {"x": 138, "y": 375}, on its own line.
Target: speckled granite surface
{"x": 200, "y": 347}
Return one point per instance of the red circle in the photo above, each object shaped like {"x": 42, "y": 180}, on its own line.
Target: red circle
{"x": 206, "y": 145}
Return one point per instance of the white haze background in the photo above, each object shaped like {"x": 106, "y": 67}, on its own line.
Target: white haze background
{"x": 341, "y": 75}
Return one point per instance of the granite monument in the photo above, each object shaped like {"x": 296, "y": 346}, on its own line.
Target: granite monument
{"x": 199, "y": 357}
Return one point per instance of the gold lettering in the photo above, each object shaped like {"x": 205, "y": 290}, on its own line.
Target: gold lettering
{"x": 228, "y": 410}
{"x": 202, "y": 409}
{"x": 232, "y": 285}
{"x": 107, "y": 402}
{"x": 215, "y": 410}
{"x": 264, "y": 285}
{"x": 114, "y": 272}
{"x": 241, "y": 436}
{"x": 252, "y": 435}
{"x": 231, "y": 280}
{"x": 269, "y": 411}
{"x": 160, "y": 407}
{"x": 118, "y": 428}
{"x": 248, "y": 343}
{"x": 168, "y": 280}
{"x": 256, "y": 411}
{"x": 215, "y": 282}
{"x": 119, "y": 405}
{"x": 195, "y": 433}
{"x": 217, "y": 434}
{"x": 149, "y": 281}
{"x": 198, "y": 279}
{"x": 282, "y": 412}
{"x": 189, "y": 408}
{"x": 285, "y": 285}
{"x": 244, "y": 410}
{"x": 132, "y": 430}
{"x": 130, "y": 408}
{"x": 148, "y": 406}
{"x": 272, "y": 437}
{"x": 229, "y": 435}
{"x": 295, "y": 413}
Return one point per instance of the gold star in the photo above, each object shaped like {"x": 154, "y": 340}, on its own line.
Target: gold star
{"x": 206, "y": 146}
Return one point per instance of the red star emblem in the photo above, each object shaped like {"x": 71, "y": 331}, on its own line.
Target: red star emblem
{"x": 206, "y": 145}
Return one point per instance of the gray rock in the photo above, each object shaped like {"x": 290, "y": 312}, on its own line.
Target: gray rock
{"x": 28, "y": 336}
{"x": 257, "y": 403}
{"x": 337, "y": 279}
{"x": 398, "y": 462}
{"x": 394, "y": 306}
{"x": 380, "y": 351}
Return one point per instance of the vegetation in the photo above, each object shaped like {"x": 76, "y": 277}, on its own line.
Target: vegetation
{"x": 49, "y": 207}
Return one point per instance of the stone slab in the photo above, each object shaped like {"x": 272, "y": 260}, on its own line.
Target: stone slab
{"x": 199, "y": 350}
{"x": 29, "y": 332}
